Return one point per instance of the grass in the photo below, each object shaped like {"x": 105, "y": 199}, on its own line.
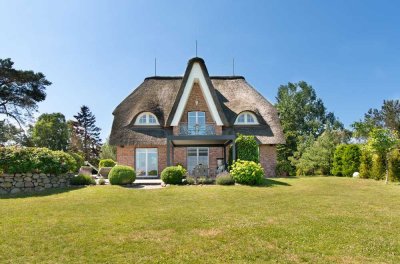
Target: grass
{"x": 316, "y": 219}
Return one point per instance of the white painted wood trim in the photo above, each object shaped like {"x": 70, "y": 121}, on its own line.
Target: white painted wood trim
{"x": 196, "y": 74}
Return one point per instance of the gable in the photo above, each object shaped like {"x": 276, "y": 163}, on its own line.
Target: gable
{"x": 196, "y": 102}
{"x": 196, "y": 73}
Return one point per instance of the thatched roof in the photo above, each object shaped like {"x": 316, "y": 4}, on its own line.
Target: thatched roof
{"x": 158, "y": 95}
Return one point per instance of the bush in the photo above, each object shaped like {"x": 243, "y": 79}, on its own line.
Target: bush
{"x": 205, "y": 180}
{"x": 190, "y": 180}
{"x": 394, "y": 165}
{"x": 172, "y": 175}
{"x": 378, "y": 167}
{"x": 246, "y": 149}
{"x": 102, "y": 181}
{"x": 365, "y": 163}
{"x": 82, "y": 179}
{"x": 35, "y": 160}
{"x": 122, "y": 175}
{"x": 351, "y": 159}
{"x": 337, "y": 166}
{"x": 80, "y": 161}
{"x": 247, "y": 172}
{"x": 106, "y": 163}
{"x": 224, "y": 178}
{"x": 283, "y": 168}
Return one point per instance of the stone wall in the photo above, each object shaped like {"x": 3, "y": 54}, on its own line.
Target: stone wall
{"x": 31, "y": 182}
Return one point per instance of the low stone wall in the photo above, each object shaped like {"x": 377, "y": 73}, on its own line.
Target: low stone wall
{"x": 31, "y": 182}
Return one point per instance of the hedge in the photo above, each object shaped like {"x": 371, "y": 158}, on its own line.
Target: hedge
{"x": 378, "y": 169}
{"x": 36, "y": 160}
{"x": 173, "y": 175}
{"x": 106, "y": 163}
{"x": 394, "y": 165}
{"x": 365, "y": 163}
{"x": 121, "y": 175}
{"x": 346, "y": 160}
{"x": 337, "y": 166}
{"x": 246, "y": 149}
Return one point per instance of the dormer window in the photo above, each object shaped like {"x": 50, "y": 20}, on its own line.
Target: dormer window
{"x": 146, "y": 119}
{"x": 246, "y": 118}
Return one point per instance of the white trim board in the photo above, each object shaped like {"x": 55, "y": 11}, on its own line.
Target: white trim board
{"x": 196, "y": 74}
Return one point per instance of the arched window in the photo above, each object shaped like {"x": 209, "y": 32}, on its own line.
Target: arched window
{"x": 246, "y": 118}
{"x": 147, "y": 119}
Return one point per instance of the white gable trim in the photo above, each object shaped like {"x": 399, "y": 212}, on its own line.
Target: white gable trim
{"x": 196, "y": 74}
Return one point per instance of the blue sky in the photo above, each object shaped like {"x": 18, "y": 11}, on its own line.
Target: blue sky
{"x": 97, "y": 52}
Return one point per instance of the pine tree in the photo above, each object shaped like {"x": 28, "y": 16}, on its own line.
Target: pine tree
{"x": 88, "y": 133}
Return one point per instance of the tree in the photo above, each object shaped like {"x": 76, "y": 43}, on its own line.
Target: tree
{"x": 108, "y": 151}
{"x": 51, "y": 131}
{"x": 88, "y": 133}
{"x": 317, "y": 157}
{"x": 20, "y": 91}
{"x": 12, "y": 135}
{"x": 381, "y": 141}
{"x": 302, "y": 114}
{"x": 387, "y": 117}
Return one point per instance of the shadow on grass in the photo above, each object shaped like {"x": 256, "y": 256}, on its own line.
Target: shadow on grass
{"x": 46, "y": 192}
{"x": 270, "y": 183}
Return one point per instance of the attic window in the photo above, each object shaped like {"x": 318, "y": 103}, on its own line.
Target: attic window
{"x": 246, "y": 118}
{"x": 146, "y": 118}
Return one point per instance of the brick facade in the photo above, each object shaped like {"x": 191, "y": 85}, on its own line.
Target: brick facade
{"x": 268, "y": 158}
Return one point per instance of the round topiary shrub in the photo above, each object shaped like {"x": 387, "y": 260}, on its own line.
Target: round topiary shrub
{"x": 172, "y": 175}
{"x": 82, "y": 179}
{"x": 224, "y": 178}
{"x": 106, "y": 163}
{"x": 247, "y": 172}
{"x": 121, "y": 175}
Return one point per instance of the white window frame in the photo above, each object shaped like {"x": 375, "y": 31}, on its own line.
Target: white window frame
{"x": 147, "y": 115}
{"x": 146, "y": 151}
{"x": 197, "y": 155}
{"x": 246, "y": 121}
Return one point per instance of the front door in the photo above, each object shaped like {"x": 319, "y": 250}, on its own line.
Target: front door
{"x": 196, "y": 156}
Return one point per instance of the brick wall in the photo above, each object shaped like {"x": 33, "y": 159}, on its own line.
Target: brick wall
{"x": 196, "y": 95}
{"x": 268, "y": 159}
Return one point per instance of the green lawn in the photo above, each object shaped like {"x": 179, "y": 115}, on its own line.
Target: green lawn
{"x": 316, "y": 219}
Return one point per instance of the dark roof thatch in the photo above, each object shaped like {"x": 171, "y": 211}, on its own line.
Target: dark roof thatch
{"x": 158, "y": 95}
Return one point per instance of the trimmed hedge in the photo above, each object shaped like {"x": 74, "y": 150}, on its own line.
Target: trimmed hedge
{"x": 246, "y": 149}
{"x": 337, "y": 165}
{"x": 106, "y": 163}
{"x": 121, "y": 175}
{"x": 173, "y": 175}
{"x": 365, "y": 163}
{"x": 247, "y": 172}
{"x": 378, "y": 169}
{"x": 346, "y": 160}
{"x": 36, "y": 160}
{"x": 82, "y": 179}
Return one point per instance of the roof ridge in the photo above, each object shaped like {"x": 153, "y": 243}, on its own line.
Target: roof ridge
{"x": 217, "y": 77}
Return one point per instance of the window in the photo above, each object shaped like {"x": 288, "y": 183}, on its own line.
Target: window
{"x": 246, "y": 118}
{"x": 146, "y": 162}
{"x": 196, "y": 123}
{"x": 196, "y": 156}
{"x": 146, "y": 119}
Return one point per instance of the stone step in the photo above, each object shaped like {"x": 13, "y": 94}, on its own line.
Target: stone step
{"x": 147, "y": 182}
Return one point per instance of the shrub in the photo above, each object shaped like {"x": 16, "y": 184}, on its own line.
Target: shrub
{"x": 246, "y": 149}
{"x": 80, "y": 161}
{"x": 224, "y": 178}
{"x": 394, "y": 165}
{"x": 337, "y": 166}
{"x": 21, "y": 160}
{"x": 365, "y": 163}
{"x": 152, "y": 173}
{"x": 106, "y": 163}
{"x": 283, "y": 168}
{"x": 82, "y": 179}
{"x": 121, "y": 175}
{"x": 351, "y": 159}
{"x": 378, "y": 167}
{"x": 190, "y": 180}
{"x": 102, "y": 181}
{"x": 247, "y": 172}
{"x": 205, "y": 180}
{"x": 172, "y": 175}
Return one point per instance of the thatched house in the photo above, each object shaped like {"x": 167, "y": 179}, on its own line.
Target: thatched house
{"x": 192, "y": 120}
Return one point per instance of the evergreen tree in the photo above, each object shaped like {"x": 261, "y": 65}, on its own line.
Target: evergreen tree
{"x": 87, "y": 133}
